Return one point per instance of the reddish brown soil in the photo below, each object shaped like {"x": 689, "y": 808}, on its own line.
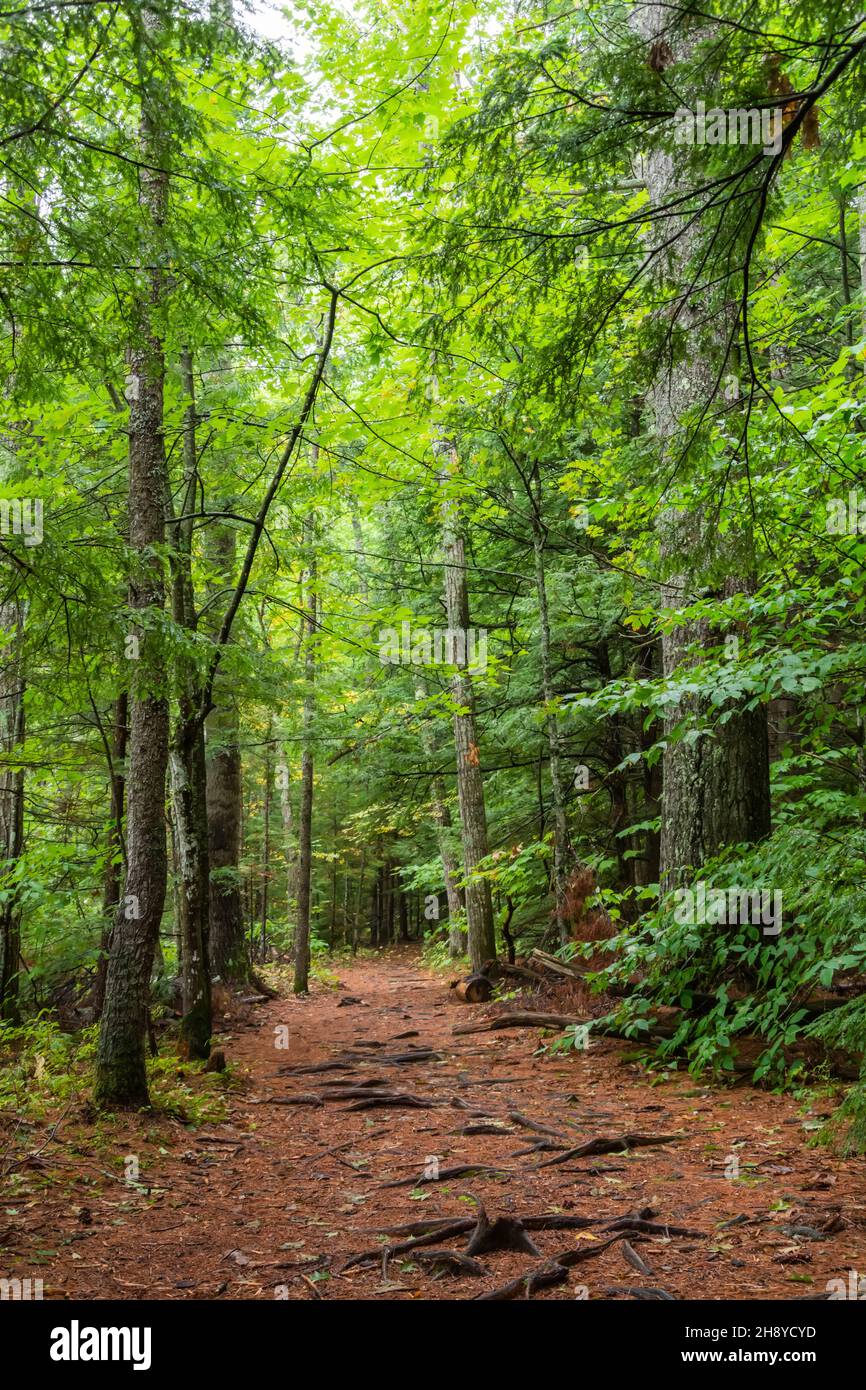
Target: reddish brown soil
{"x": 274, "y": 1202}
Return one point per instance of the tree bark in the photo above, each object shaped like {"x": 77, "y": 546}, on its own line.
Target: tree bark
{"x": 470, "y": 784}
{"x": 266, "y": 848}
{"x": 120, "y": 1068}
{"x": 444, "y": 840}
{"x": 305, "y": 829}
{"x": 115, "y": 848}
{"x": 715, "y": 790}
{"x": 229, "y": 957}
{"x": 187, "y": 768}
{"x": 561, "y": 841}
{"x": 12, "y": 615}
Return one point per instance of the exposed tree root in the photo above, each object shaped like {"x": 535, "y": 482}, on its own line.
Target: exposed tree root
{"x": 610, "y": 1146}
{"x": 453, "y": 1260}
{"x": 505, "y": 1233}
{"x": 461, "y": 1170}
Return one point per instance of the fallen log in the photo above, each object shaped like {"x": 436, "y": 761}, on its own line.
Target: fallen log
{"x": 518, "y": 972}
{"x": 474, "y": 989}
{"x": 555, "y": 965}
{"x": 522, "y": 1019}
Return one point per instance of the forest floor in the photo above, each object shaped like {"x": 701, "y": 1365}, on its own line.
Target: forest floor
{"x": 274, "y": 1200}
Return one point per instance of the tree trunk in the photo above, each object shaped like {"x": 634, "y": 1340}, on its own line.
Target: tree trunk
{"x": 404, "y": 915}
{"x": 229, "y": 957}
{"x": 289, "y": 847}
{"x": 470, "y": 785}
{"x": 120, "y": 1069}
{"x": 12, "y": 615}
{"x": 266, "y": 848}
{"x": 561, "y": 842}
{"x": 715, "y": 790}
{"x": 305, "y": 836}
{"x": 333, "y": 925}
{"x": 187, "y": 767}
{"x": 444, "y": 841}
{"x": 359, "y": 899}
{"x": 115, "y": 847}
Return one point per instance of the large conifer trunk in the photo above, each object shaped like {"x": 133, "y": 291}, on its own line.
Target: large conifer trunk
{"x": 715, "y": 790}
{"x": 187, "y": 765}
{"x": 120, "y": 1070}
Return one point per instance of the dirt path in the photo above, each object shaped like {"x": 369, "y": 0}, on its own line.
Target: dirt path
{"x": 275, "y": 1201}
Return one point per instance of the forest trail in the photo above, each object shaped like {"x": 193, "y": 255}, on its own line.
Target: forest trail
{"x": 275, "y": 1201}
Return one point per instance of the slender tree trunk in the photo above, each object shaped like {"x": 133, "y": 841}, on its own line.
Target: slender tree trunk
{"x": 470, "y": 784}
{"x": 333, "y": 926}
{"x": 305, "y": 837}
{"x": 120, "y": 1069}
{"x": 229, "y": 955}
{"x": 376, "y": 908}
{"x": 266, "y": 847}
{"x": 115, "y": 847}
{"x": 356, "y": 924}
{"x": 345, "y": 908}
{"x": 561, "y": 841}
{"x": 12, "y": 615}
{"x": 289, "y": 846}
{"x": 444, "y": 841}
{"x": 404, "y": 915}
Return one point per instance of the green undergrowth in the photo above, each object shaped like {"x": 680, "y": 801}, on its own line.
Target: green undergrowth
{"x": 45, "y": 1072}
